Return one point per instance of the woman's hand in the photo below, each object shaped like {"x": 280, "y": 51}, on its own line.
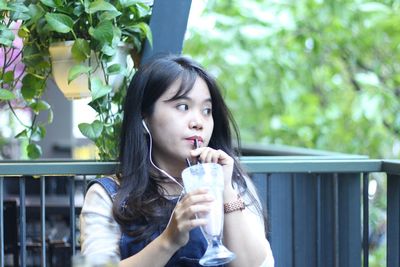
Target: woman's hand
{"x": 184, "y": 216}
{"x": 207, "y": 155}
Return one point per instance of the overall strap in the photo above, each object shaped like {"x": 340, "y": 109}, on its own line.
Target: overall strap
{"x": 108, "y": 184}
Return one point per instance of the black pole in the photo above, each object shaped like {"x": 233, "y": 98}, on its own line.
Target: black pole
{"x": 168, "y": 24}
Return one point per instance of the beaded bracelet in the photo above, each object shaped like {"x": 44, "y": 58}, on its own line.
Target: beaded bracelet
{"x": 235, "y": 205}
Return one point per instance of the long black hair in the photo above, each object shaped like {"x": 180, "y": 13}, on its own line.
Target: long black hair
{"x": 140, "y": 198}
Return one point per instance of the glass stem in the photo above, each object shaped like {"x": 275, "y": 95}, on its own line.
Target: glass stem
{"x": 215, "y": 241}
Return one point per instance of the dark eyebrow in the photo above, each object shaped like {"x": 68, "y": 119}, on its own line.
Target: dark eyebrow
{"x": 175, "y": 98}
{"x": 185, "y": 98}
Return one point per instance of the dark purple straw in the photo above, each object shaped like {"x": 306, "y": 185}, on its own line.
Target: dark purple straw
{"x": 196, "y": 146}
{"x": 188, "y": 162}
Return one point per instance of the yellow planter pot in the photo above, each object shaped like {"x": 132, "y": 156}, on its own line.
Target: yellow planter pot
{"x": 62, "y": 62}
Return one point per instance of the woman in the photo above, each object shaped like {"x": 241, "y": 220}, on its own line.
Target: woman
{"x": 142, "y": 217}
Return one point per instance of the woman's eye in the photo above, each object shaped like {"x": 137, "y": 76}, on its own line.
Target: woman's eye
{"x": 182, "y": 107}
{"x": 207, "y": 111}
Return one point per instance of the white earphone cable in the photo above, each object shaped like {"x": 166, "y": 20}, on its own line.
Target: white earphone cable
{"x": 151, "y": 160}
{"x": 161, "y": 170}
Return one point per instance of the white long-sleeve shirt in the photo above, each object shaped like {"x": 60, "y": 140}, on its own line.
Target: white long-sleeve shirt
{"x": 100, "y": 233}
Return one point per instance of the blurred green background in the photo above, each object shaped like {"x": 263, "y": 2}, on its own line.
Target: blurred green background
{"x": 309, "y": 73}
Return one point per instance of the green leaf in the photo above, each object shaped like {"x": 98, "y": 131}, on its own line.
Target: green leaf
{"x": 6, "y": 95}
{"x": 79, "y": 10}
{"x": 32, "y": 56}
{"x": 38, "y": 133}
{"x": 147, "y": 32}
{"x": 20, "y": 16}
{"x": 19, "y": 11}
{"x": 8, "y": 77}
{"x": 60, "y": 3}
{"x": 36, "y": 12}
{"x": 23, "y": 32}
{"x": 42, "y": 131}
{"x": 31, "y": 86}
{"x": 3, "y": 5}
{"x": 127, "y": 3}
{"x": 96, "y": 105}
{"x": 80, "y": 50}
{"x": 39, "y": 105}
{"x": 34, "y": 151}
{"x": 18, "y": 6}
{"x": 59, "y": 22}
{"x": 76, "y": 71}
{"x": 6, "y": 37}
{"x": 22, "y": 134}
{"x": 35, "y": 134}
{"x": 86, "y": 4}
{"x": 103, "y": 33}
{"x": 117, "y": 34}
{"x": 114, "y": 69}
{"x": 50, "y": 116}
{"x": 108, "y": 50}
{"x": 101, "y": 5}
{"x": 143, "y": 28}
{"x": 49, "y": 3}
{"x": 98, "y": 89}
{"x": 109, "y": 15}
{"x": 91, "y": 131}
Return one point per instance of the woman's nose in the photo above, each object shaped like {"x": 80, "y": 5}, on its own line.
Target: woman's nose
{"x": 196, "y": 124}
{"x": 196, "y": 119}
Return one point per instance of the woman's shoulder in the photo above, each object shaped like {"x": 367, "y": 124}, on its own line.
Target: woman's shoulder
{"x": 101, "y": 191}
{"x": 96, "y": 218}
{"x": 107, "y": 184}
{"x": 109, "y": 180}
{"x": 97, "y": 200}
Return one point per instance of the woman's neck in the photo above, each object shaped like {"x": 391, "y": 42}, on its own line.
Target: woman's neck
{"x": 170, "y": 188}
{"x": 171, "y": 167}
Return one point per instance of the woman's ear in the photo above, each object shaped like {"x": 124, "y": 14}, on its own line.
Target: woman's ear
{"x": 145, "y": 126}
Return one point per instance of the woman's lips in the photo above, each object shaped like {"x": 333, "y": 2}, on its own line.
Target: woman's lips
{"x": 193, "y": 138}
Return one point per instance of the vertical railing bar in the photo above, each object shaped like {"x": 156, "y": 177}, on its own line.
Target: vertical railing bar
{"x": 22, "y": 221}
{"x": 294, "y": 228}
{"x": 336, "y": 219}
{"x": 72, "y": 212}
{"x": 43, "y": 219}
{"x": 85, "y": 181}
{"x": 318, "y": 213}
{"x": 393, "y": 220}
{"x": 365, "y": 178}
{"x": 268, "y": 207}
{"x": 1, "y": 223}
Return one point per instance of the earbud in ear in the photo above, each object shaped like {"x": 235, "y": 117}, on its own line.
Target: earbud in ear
{"x": 145, "y": 126}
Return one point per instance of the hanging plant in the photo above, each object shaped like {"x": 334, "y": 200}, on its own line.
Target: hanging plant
{"x": 95, "y": 29}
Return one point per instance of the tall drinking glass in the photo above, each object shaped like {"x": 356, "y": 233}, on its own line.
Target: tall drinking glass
{"x": 210, "y": 175}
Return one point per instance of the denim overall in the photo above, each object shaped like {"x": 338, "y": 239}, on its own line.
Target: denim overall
{"x": 186, "y": 256}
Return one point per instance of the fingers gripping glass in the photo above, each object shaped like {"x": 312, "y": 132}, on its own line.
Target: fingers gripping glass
{"x": 210, "y": 175}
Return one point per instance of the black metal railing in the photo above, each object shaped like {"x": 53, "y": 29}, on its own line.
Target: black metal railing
{"x": 317, "y": 207}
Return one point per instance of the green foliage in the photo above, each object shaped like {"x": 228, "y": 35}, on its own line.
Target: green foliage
{"x": 6, "y": 95}
{"x": 12, "y": 71}
{"x": 317, "y": 74}
{"x": 96, "y": 28}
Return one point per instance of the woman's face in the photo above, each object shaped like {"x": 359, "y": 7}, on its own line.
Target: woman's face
{"x": 174, "y": 124}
